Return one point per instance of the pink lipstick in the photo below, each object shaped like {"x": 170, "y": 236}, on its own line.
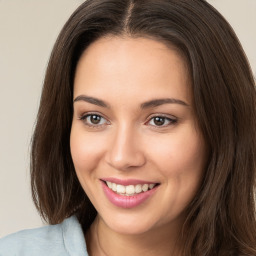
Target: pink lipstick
{"x": 139, "y": 192}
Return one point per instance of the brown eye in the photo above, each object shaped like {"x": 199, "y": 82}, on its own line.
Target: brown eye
{"x": 161, "y": 121}
{"x": 95, "y": 119}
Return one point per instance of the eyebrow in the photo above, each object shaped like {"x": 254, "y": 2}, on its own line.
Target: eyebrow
{"x": 92, "y": 100}
{"x": 159, "y": 102}
{"x": 147, "y": 104}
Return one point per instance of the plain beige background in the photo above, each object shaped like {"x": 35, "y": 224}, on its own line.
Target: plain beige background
{"x": 28, "y": 29}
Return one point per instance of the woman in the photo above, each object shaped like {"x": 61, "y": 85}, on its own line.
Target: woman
{"x": 145, "y": 138}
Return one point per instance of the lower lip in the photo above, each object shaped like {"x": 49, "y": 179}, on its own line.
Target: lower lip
{"x": 127, "y": 201}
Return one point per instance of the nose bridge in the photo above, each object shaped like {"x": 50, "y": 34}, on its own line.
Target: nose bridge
{"x": 125, "y": 150}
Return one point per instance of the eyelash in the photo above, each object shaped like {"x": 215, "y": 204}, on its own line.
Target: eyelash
{"x": 85, "y": 116}
{"x": 171, "y": 121}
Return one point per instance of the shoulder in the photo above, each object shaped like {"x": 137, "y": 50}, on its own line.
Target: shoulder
{"x": 65, "y": 239}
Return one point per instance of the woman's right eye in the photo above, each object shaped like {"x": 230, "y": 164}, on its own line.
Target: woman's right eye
{"x": 94, "y": 120}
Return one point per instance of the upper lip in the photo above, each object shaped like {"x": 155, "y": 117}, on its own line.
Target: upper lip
{"x": 126, "y": 182}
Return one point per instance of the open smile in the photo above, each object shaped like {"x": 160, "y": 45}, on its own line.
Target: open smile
{"x": 130, "y": 190}
{"x": 128, "y": 196}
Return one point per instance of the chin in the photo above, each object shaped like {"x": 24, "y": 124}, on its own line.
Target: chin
{"x": 127, "y": 228}
{"x": 130, "y": 224}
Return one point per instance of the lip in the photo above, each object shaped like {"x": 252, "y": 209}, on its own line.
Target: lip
{"x": 126, "y": 182}
{"x": 127, "y": 201}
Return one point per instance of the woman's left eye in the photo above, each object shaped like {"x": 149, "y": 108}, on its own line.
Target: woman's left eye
{"x": 94, "y": 120}
{"x": 161, "y": 121}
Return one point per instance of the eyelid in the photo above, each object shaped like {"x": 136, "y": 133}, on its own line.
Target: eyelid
{"x": 87, "y": 113}
{"x": 83, "y": 117}
{"x": 173, "y": 120}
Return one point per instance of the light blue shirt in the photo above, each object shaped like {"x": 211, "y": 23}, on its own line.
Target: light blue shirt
{"x": 65, "y": 239}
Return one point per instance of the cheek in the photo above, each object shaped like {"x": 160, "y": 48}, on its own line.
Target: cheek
{"x": 190, "y": 165}
{"x": 181, "y": 159}
{"x": 86, "y": 150}
{"x": 179, "y": 152}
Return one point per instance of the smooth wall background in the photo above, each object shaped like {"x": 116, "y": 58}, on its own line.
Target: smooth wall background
{"x": 28, "y": 30}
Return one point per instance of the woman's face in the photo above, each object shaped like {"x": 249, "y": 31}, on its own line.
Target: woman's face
{"x": 136, "y": 148}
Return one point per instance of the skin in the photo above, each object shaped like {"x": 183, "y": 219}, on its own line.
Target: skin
{"x": 128, "y": 143}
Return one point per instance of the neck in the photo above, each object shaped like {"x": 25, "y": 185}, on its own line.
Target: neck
{"x": 102, "y": 241}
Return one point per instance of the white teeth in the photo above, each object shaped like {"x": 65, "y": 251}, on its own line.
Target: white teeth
{"x": 120, "y": 189}
{"x": 138, "y": 189}
{"x": 129, "y": 190}
{"x": 113, "y": 187}
{"x": 151, "y": 186}
{"x": 145, "y": 187}
{"x": 109, "y": 184}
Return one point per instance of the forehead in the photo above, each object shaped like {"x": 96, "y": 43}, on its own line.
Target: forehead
{"x": 132, "y": 66}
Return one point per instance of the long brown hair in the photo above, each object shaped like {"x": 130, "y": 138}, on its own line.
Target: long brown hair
{"x": 221, "y": 218}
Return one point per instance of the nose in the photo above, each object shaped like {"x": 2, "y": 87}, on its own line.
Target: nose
{"x": 125, "y": 150}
